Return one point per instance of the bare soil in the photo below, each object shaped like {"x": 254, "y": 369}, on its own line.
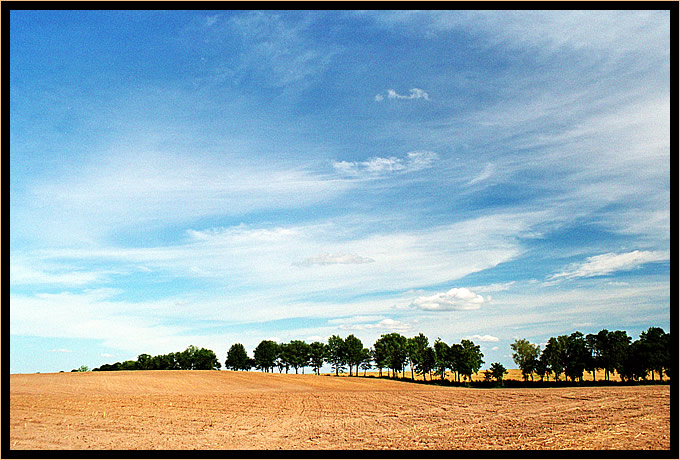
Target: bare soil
{"x": 252, "y": 410}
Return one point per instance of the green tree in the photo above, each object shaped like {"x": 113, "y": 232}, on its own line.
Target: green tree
{"x": 653, "y": 342}
{"x": 611, "y": 347}
{"x": 576, "y": 356}
{"x": 128, "y": 365}
{"x": 429, "y": 362}
{"x": 473, "y": 361}
{"x": 366, "y": 359}
{"x": 203, "y": 359}
{"x": 395, "y": 346}
{"x": 593, "y": 361}
{"x": 632, "y": 365}
{"x": 668, "y": 356}
{"x": 299, "y": 354}
{"x": 237, "y": 358}
{"x": 353, "y": 352}
{"x": 265, "y": 355}
{"x": 554, "y": 355}
{"x": 498, "y": 371}
{"x": 337, "y": 357}
{"x": 441, "y": 356}
{"x": 283, "y": 357}
{"x": 541, "y": 368}
{"x": 456, "y": 360}
{"x": 317, "y": 355}
{"x": 144, "y": 362}
{"x": 525, "y": 355}
{"x": 380, "y": 356}
{"x": 416, "y": 353}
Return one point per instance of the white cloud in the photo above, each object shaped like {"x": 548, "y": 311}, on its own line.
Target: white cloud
{"x": 606, "y": 264}
{"x": 96, "y": 200}
{"x": 496, "y": 287}
{"x": 485, "y": 174}
{"x": 414, "y": 93}
{"x": 453, "y": 299}
{"x": 330, "y": 259}
{"x": 483, "y": 338}
{"x": 277, "y": 49}
{"x": 60, "y": 350}
{"x": 412, "y": 161}
{"x": 387, "y": 324}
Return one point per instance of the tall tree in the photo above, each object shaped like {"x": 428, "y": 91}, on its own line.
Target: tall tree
{"x": 265, "y": 355}
{"x": 380, "y": 355}
{"x": 144, "y": 361}
{"x": 498, "y": 371}
{"x": 336, "y": 353}
{"x": 632, "y": 365}
{"x": 554, "y": 355}
{"x": 593, "y": 361}
{"x": 472, "y": 358}
{"x": 456, "y": 360}
{"x": 317, "y": 355}
{"x": 576, "y": 356}
{"x": 366, "y": 359}
{"x": 429, "y": 362}
{"x": 654, "y": 350}
{"x": 353, "y": 352}
{"x": 416, "y": 353}
{"x": 395, "y": 345}
{"x": 298, "y": 354}
{"x": 525, "y": 355}
{"x": 237, "y": 357}
{"x": 441, "y": 353}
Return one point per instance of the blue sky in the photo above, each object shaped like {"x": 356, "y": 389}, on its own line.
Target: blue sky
{"x": 213, "y": 177}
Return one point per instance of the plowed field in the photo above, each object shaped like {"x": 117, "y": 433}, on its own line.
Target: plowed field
{"x": 251, "y": 410}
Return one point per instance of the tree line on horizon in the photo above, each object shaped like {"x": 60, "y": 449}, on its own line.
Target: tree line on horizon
{"x": 570, "y": 355}
{"x": 607, "y": 351}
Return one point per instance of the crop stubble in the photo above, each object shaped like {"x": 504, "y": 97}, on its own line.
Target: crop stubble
{"x": 229, "y": 410}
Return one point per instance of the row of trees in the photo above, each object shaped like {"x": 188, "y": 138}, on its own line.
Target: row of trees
{"x": 571, "y": 355}
{"x": 606, "y": 351}
{"x": 193, "y": 358}
{"x": 392, "y": 352}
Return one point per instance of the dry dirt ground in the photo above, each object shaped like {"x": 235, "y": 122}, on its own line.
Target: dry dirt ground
{"x": 251, "y": 410}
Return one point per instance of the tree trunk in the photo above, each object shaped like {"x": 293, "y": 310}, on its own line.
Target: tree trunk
{"x": 412, "y": 378}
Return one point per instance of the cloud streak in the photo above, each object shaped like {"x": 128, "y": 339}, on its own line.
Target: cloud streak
{"x": 414, "y": 93}
{"x": 609, "y": 263}
{"x": 332, "y": 259}
{"x": 379, "y": 166}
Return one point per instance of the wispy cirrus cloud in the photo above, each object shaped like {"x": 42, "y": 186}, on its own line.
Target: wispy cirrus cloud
{"x": 609, "y": 263}
{"x": 414, "y": 93}
{"x": 332, "y": 259}
{"x": 412, "y": 161}
{"x": 385, "y": 324}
